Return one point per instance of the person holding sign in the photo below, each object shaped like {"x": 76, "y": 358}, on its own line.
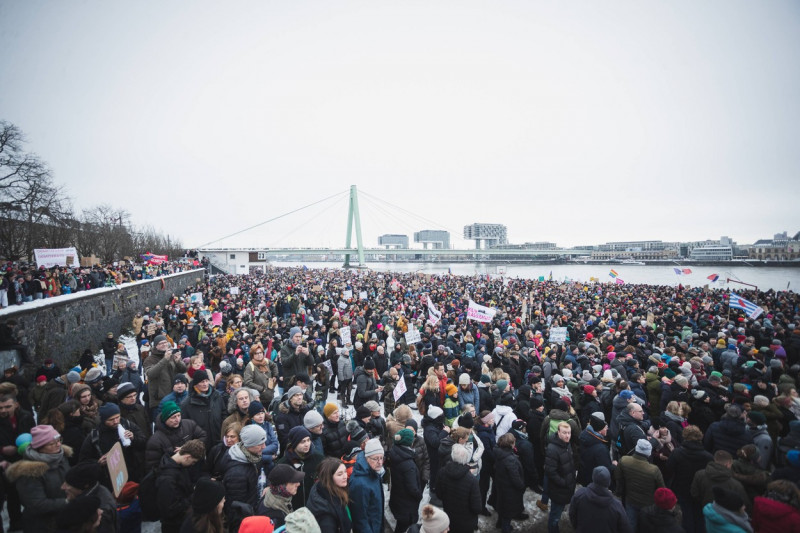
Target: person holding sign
{"x": 39, "y": 477}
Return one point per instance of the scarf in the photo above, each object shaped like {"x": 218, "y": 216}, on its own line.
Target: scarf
{"x": 262, "y": 366}
{"x": 251, "y": 457}
{"x": 278, "y": 498}
{"x": 52, "y": 459}
{"x": 90, "y": 410}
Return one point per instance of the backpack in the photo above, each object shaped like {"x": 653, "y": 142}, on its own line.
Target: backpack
{"x": 552, "y": 429}
{"x": 148, "y": 496}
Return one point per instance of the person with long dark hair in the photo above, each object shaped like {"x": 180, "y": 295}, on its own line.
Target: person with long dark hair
{"x": 329, "y": 499}
{"x": 205, "y": 514}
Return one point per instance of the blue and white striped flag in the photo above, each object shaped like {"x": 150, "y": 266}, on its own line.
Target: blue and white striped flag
{"x": 752, "y": 310}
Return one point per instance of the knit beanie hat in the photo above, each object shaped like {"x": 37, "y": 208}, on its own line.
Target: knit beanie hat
{"x": 596, "y": 422}
{"x": 256, "y": 524}
{"x": 588, "y": 389}
{"x": 207, "y": 494}
{"x": 294, "y": 391}
{"x": 93, "y": 375}
{"x": 356, "y": 432}
{"x": 369, "y": 364}
{"x": 329, "y": 409}
{"x": 198, "y": 377}
{"x": 434, "y": 412}
{"x": 466, "y": 421}
{"x": 463, "y": 379}
{"x": 255, "y": 408}
{"x": 312, "y": 419}
{"x": 643, "y": 447}
{"x": 665, "y": 499}
{"x": 434, "y": 520}
{"x": 502, "y": 384}
{"x": 158, "y": 339}
{"x": 297, "y": 434}
{"x": 374, "y": 447}
{"x": 252, "y": 435}
{"x": 125, "y": 389}
{"x": 363, "y": 412}
{"x": 451, "y": 390}
{"x": 294, "y": 331}
{"x": 411, "y": 423}
{"x": 169, "y": 409}
{"x": 107, "y": 410}
{"x": 404, "y": 437}
{"x": 601, "y": 476}
{"x": 83, "y": 476}
{"x": 302, "y": 521}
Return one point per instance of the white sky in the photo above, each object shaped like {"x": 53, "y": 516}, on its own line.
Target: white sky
{"x": 574, "y": 122}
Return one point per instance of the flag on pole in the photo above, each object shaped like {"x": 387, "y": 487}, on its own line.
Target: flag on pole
{"x": 613, "y": 273}
{"x": 752, "y": 310}
{"x": 480, "y": 313}
{"x": 551, "y": 276}
{"x": 434, "y": 315}
{"x": 687, "y": 270}
{"x": 678, "y": 271}
{"x": 713, "y": 277}
{"x": 620, "y": 282}
{"x": 541, "y": 278}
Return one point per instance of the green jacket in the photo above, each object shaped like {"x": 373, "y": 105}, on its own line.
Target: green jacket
{"x": 637, "y": 480}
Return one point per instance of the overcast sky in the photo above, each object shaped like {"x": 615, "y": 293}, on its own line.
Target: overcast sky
{"x": 574, "y": 122}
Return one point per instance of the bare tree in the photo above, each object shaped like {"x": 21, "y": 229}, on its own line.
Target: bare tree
{"x": 105, "y": 233}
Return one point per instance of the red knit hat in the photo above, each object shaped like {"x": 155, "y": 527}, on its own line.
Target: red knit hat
{"x": 665, "y": 499}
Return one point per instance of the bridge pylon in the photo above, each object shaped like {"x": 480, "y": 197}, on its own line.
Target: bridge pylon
{"x": 353, "y": 218}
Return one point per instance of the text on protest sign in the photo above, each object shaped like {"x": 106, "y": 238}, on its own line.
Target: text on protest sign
{"x": 344, "y": 333}
{"x": 558, "y": 335}
{"x": 50, "y": 257}
{"x": 413, "y": 336}
{"x": 399, "y": 389}
{"x": 480, "y": 313}
{"x": 117, "y": 469}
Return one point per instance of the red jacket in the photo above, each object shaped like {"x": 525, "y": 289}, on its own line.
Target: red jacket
{"x": 771, "y": 516}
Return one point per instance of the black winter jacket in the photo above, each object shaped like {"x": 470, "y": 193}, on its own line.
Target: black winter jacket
{"x": 406, "y": 488}
{"x": 334, "y": 438}
{"x": 559, "y": 466}
{"x": 331, "y": 515}
{"x": 166, "y": 439}
{"x": 689, "y": 458}
{"x": 509, "y": 483}
{"x": 593, "y": 453}
{"x": 525, "y": 454}
{"x": 207, "y": 412}
{"x": 460, "y": 493}
{"x": 728, "y": 434}
{"x": 175, "y": 488}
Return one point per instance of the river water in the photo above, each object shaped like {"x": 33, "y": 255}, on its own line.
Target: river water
{"x": 765, "y": 278}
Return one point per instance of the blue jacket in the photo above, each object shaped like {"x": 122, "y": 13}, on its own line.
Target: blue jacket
{"x": 272, "y": 442}
{"x": 470, "y": 395}
{"x": 366, "y": 498}
{"x": 717, "y": 523}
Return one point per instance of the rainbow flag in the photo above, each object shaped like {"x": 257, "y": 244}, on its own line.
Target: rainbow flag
{"x": 713, "y": 277}
{"x": 613, "y": 273}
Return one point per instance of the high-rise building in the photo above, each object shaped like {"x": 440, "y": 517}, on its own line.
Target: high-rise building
{"x": 489, "y": 234}
{"x": 393, "y": 241}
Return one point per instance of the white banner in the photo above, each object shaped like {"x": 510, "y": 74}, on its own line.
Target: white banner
{"x": 50, "y": 257}
{"x": 480, "y": 313}
{"x": 558, "y": 335}
{"x": 347, "y": 295}
{"x": 434, "y": 315}
{"x": 399, "y": 389}
{"x": 413, "y": 336}
{"x": 362, "y": 295}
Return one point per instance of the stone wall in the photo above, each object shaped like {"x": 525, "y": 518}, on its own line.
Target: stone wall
{"x": 62, "y": 328}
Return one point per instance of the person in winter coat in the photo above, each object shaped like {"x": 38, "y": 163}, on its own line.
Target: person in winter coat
{"x": 637, "y": 481}
{"x": 690, "y": 457}
{"x": 524, "y": 450}
{"x": 300, "y": 457}
{"x": 509, "y": 483}
{"x": 204, "y": 406}
{"x": 594, "y": 509}
{"x": 39, "y": 477}
{"x": 172, "y": 431}
{"x": 778, "y": 510}
{"x": 729, "y": 433}
{"x": 237, "y": 406}
{"x": 131, "y": 409}
{"x": 594, "y": 450}
{"x": 468, "y": 394}
{"x": 367, "y": 388}
{"x": 406, "y": 491}
{"x": 343, "y": 366}
{"x": 258, "y": 417}
{"x": 176, "y": 484}
{"x": 559, "y": 467}
{"x": 726, "y": 513}
{"x": 366, "y": 491}
{"x": 460, "y": 491}
{"x": 663, "y": 516}
{"x": 295, "y": 357}
{"x": 396, "y": 421}
{"x": 100, "y": 441}
{"x": 160, "y": 367}
{"x": 484, "y": 428}
{"x": 284, "y": 482}
{"x": 434, "y": 431}
{"x": 290, "y": 414}
{"x": 261, "y": 374}
{"x": 241, "y": 469}
{"x": 717, "y": 474}
{"x": 329, "y": 499}
{"x": 205, "y": 514}
{"x": 334, "y": 432}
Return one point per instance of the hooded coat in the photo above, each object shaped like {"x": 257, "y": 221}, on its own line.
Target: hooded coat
{"x": 509, "y": 483}
{"x": 207, "y": 412}
{"x": 39, "y": 487}
{"x": 366, "y": 497}
{"x": 594, "y": 509}
{"x": 559, "y": 466}
{"x": 406, "y": 487}
{"x": 728, "y": 434}
{"x": 166, "y": 439}
{"x": 460, "y": 493}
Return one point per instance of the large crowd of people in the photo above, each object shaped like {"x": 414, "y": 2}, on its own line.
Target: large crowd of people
{"x": 22, "y": 282}
{"x": 349, "y": 401}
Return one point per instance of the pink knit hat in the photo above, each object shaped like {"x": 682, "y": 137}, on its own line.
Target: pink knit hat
{"x": 43, "y": 435}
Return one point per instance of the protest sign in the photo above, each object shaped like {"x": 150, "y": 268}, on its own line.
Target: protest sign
{"x": 347, "y": 294}
{"x": 362, "y": 295}
{"x": 480, "y": 313}
{"x": 558, "y": 335}
{"x": 413, "y": 336}
{"x": 399, "y": 389}
{"x": 233, "y": 290}
{"x": 50, "y": 257}
{"x": 344, "y": 333}
{"x": 117, "y": 469}
{"x": 196, "y": 298}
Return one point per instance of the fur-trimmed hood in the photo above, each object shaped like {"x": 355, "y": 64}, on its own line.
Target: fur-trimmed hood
{"x": 29, "y": 468}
